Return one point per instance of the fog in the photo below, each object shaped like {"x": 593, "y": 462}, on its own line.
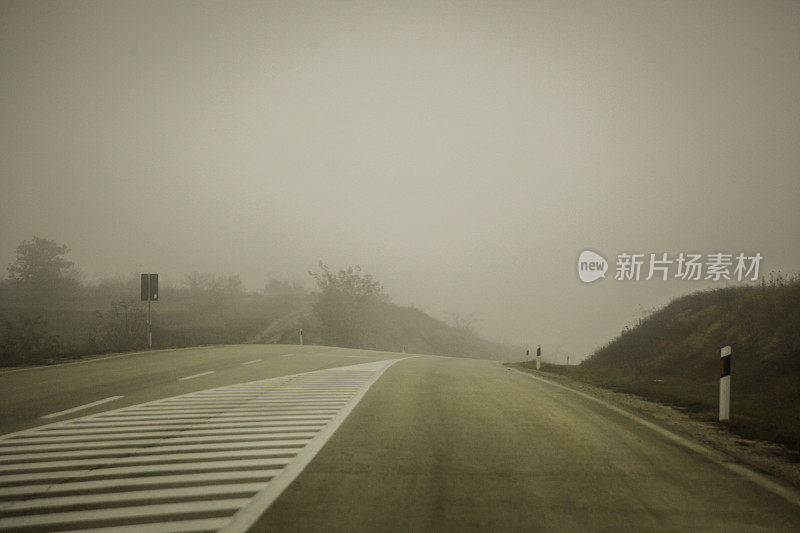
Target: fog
{"x": 462, "y": 153}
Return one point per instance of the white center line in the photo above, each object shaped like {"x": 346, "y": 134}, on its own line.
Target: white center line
{"x": 81, "y": 407}
{"x": 251, "y": 362}
{"x": 196, "y": 375}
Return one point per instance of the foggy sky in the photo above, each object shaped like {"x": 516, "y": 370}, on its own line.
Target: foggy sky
{"x": 464, "y": 153}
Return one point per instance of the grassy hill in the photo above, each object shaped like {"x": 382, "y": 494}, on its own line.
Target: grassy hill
{"x": 396, "y": 329}
{"x": 673, "y": 356}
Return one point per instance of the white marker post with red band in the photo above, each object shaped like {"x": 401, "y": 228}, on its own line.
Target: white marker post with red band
{"x": 725, "y": 384}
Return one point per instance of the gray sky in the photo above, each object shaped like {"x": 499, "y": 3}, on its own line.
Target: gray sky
{"x": 463, "y": 153}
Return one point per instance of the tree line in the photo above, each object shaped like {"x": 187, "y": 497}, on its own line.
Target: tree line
{"x": 48, "y": 311}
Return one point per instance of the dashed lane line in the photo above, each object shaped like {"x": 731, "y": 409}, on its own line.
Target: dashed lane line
{"x": 210, "y": 460}
{"x": 251, "y": 362}
{"x": 82, "y": 407}
{"x": 201, "y": 374}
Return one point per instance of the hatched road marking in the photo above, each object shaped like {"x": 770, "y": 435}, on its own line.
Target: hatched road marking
{"x": 206, "y": 461}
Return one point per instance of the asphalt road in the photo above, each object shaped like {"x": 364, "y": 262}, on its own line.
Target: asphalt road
{"x": 32, "y": 393}
{"x": 444, "y": 444}
{"x": 435, "y": 444}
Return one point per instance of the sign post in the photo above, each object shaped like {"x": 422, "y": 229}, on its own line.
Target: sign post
{"x": 725, "y": 384}
{"x": 149, "y": 293}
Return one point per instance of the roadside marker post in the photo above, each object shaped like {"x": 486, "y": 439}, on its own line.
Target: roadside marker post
{"x": 725, "y": 384}
{"x": 301, "y": 337}
{"x": 538, "y": 357}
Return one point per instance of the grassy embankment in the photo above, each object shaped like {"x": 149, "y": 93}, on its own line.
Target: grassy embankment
{"x": 672, "y": 357}
{"x": 395, "y": 328}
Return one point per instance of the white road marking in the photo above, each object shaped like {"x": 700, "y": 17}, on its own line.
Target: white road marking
{"x": 203, "y": 461}
{"x": 205, "y": 478}
{"x": 144, "y": 459}
{"x": 68, "y": 517}
{"x": 287, "y": 355}
{"x": 196, "y": 375}
{"x": 151, "y": 452}
{"x": 132, "y": 496}
{"x": 247, "y": 516}
{"x": 182, "y": 526}
{"x": 82, "y": 407}
{"x": 251, "y": 362}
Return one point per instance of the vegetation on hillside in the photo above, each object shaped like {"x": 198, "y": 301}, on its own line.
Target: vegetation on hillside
{"x": 673, "y": 356}
{"x": 48, "y": 313}
{"x": 351, "y": 309}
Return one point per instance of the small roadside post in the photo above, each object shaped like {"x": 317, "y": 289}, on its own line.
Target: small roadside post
{"x": 301, "y": 337}
{"x": 725, "y": 384}
{"x": 538, "y": 357}
{"x": 149, "y": 293}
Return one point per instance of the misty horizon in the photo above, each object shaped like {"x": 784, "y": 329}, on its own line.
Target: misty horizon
{"x": 463, "y": 154}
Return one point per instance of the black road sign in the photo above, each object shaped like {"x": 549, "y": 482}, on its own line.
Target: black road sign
{"x": 150, "y": 287}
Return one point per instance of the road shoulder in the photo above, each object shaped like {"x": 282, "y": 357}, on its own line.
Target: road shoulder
{"x": 768, "y": 458}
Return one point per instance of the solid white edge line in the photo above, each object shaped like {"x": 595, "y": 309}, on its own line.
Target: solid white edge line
{"x": 82, "y": 407}
{"x": 761, "y": 480}
{"x": 249, "y": 514}
{"x": 196, "y": 375}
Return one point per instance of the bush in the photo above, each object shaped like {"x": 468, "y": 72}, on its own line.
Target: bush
{"x": 25, "y": 340}
{"x": 124, "y": 326}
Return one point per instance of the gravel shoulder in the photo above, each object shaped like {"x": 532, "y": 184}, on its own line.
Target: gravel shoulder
{"x": 769, "y": 458}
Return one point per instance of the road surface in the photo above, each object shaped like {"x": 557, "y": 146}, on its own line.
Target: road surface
{"x": 272, "y": 438}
